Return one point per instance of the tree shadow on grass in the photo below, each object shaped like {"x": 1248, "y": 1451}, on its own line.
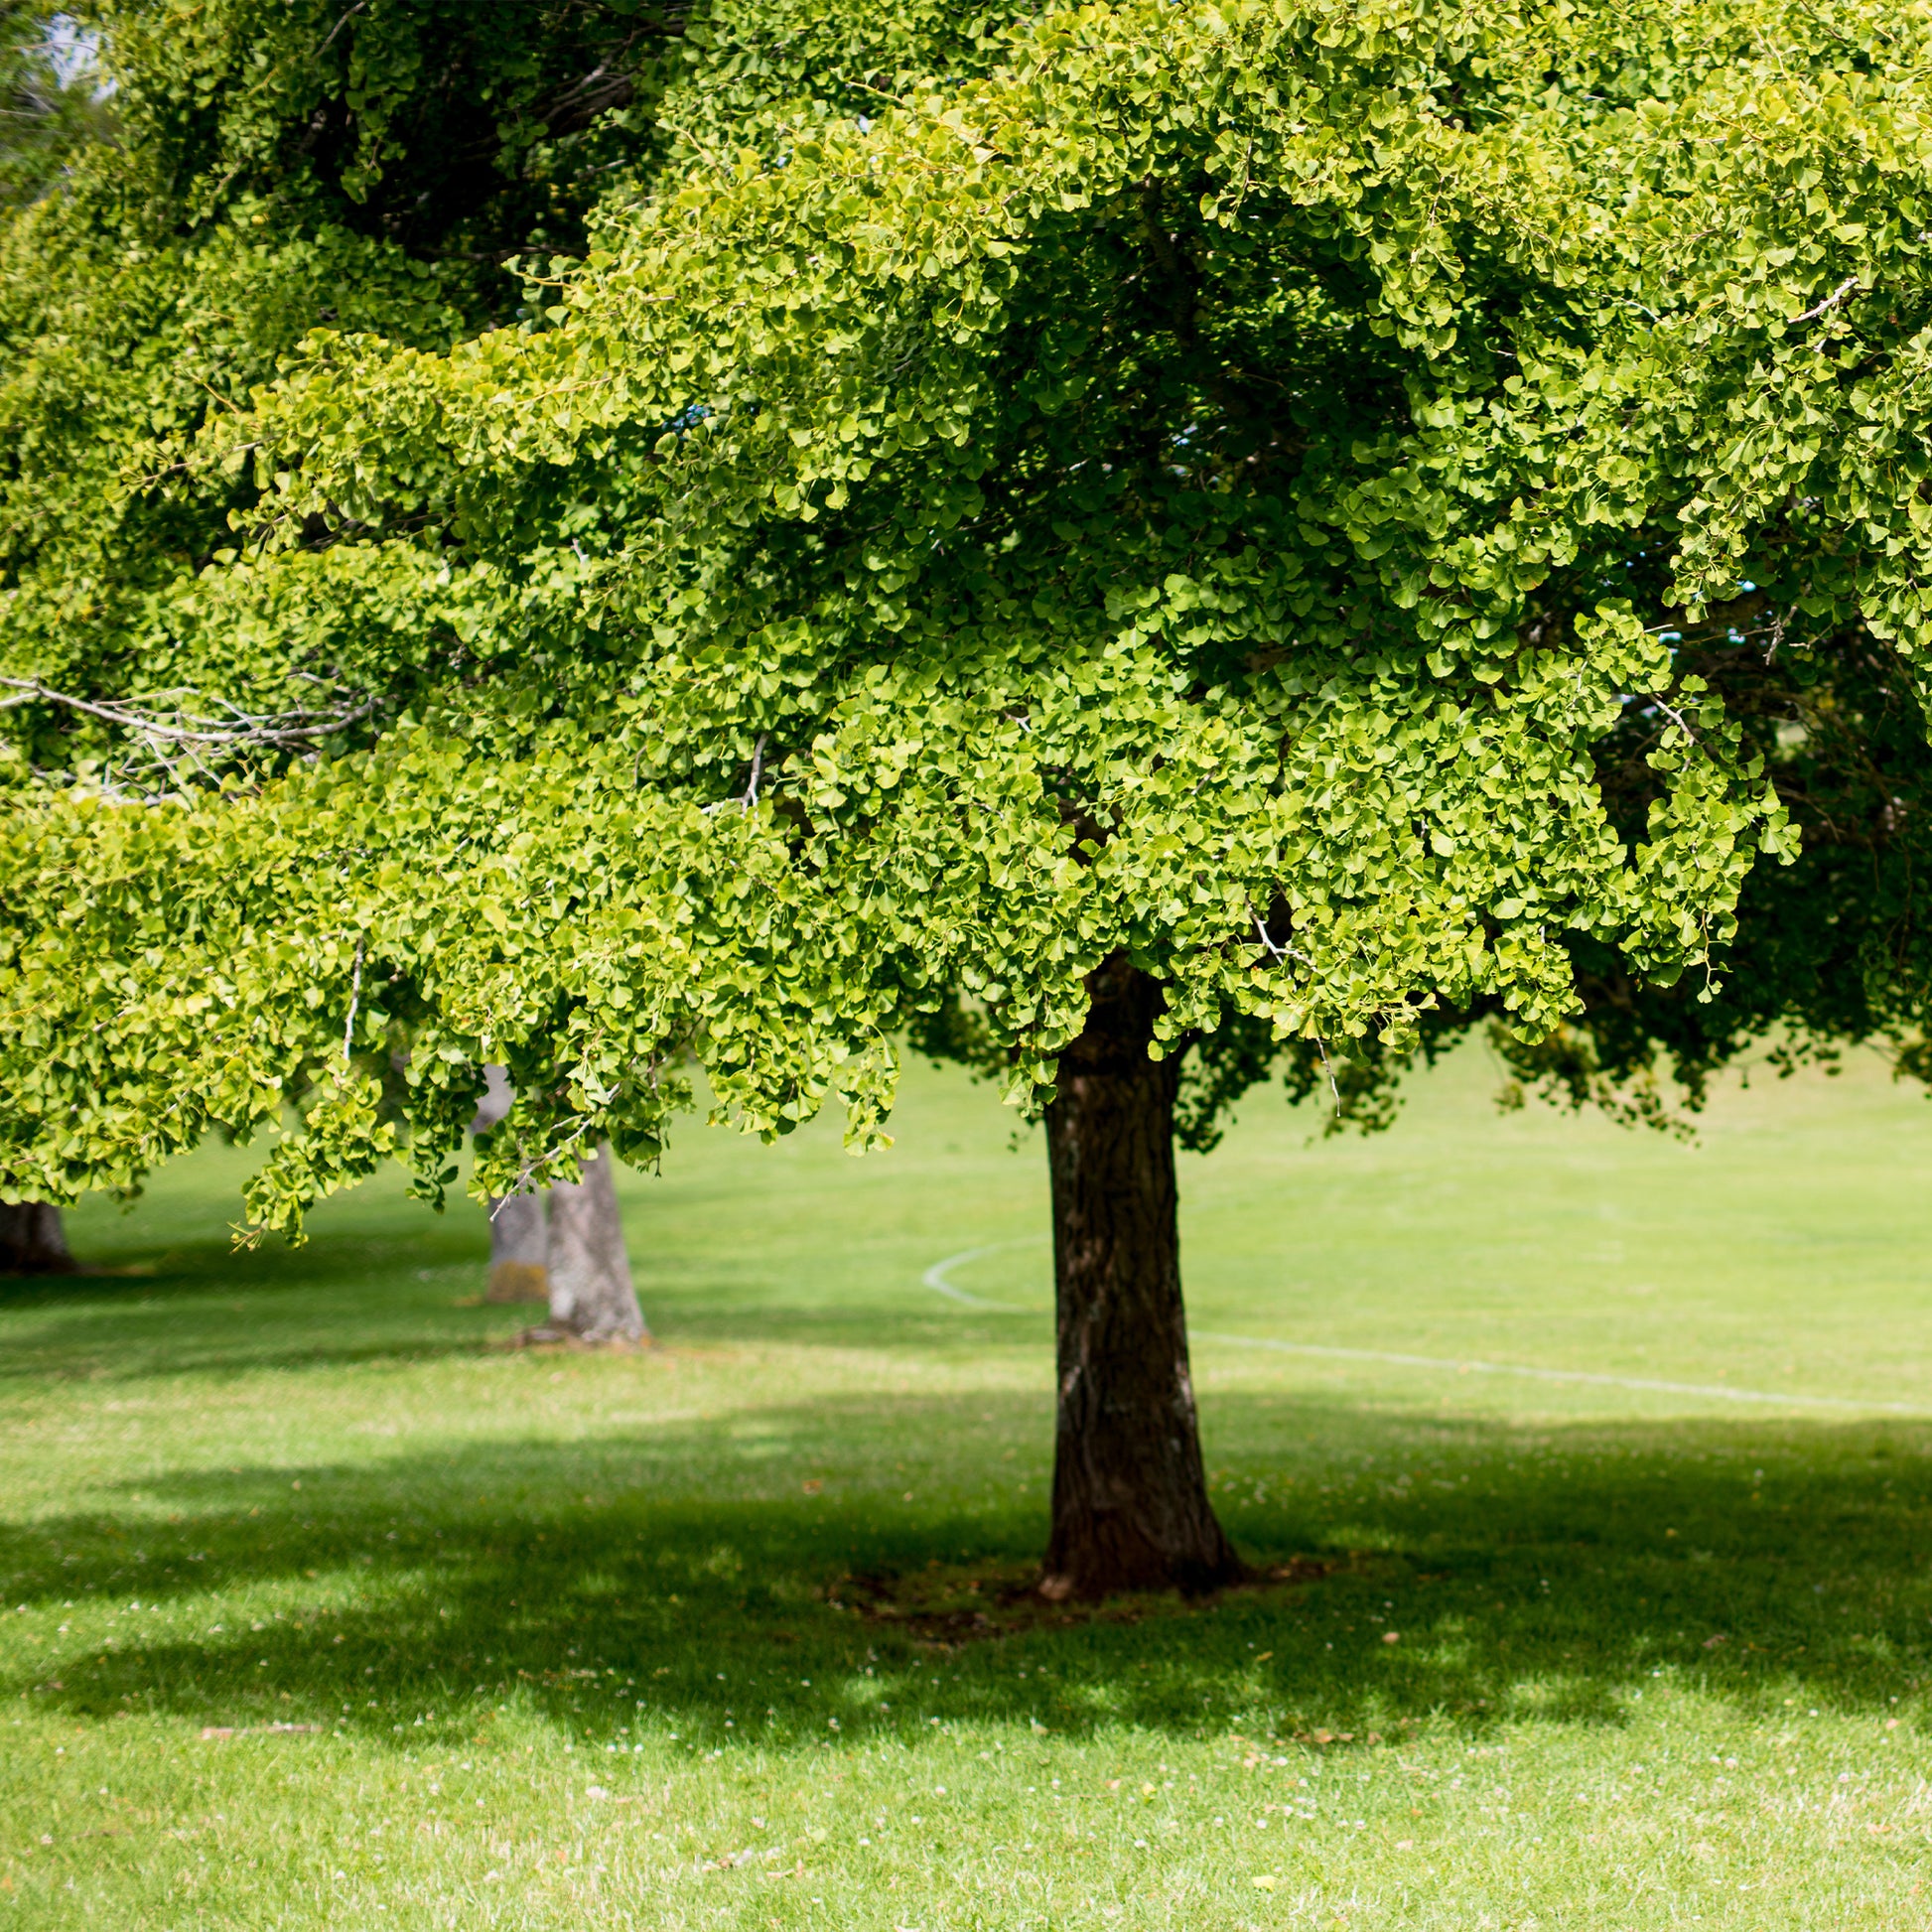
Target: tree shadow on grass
{"x": 346, "y": 1299}
{"x": 199, "y": 1307}
{"x": 647, "y": 1581}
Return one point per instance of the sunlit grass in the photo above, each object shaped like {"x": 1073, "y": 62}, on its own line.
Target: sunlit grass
{"x": 551, "y": 1638}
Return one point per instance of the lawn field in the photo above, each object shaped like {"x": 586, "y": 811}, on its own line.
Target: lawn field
{"x": 1603, "y": 1462}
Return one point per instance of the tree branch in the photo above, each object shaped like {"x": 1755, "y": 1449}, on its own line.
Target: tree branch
{"x": 280, "y": 730}
{"x": 1830, "y": 302}
{"x": 354, "y": 997}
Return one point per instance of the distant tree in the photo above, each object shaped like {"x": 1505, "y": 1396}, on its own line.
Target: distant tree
{"x": 1123, "y": 545}
{"x": 587, "y": 1271}
{"x": 518, "y": 1225}
{"x": 564, "y": 1248}
{"x": 33, "y": 1240}
{"x": 519, "y": 1234}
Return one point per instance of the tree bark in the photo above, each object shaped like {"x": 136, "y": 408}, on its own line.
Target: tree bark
{"x": 518, "y": 1242}
{"x": 591, "y": 1293}
{"x": 1129, "y": 1493}
{"x": 32, "y": 1240}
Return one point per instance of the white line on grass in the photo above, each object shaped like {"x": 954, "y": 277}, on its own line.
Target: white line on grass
{"x": 1717, "y": 1389}
{"x": 936, "y": 1279}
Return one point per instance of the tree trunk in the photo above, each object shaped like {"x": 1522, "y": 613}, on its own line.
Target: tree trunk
{"x": 32, "y": 1240}
{"x": 517, "y": 1234}
{"x": 590, "y": 1295}
{"x": 1130, "y": 1494}
{"x": 518, "y": 1239}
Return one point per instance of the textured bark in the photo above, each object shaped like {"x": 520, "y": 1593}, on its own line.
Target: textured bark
{"x": 1129, "y": 1493}
{"x": 32, "y": 1240}
{"x": 590, "y": 1295}
{"x": 518, "y": 1243}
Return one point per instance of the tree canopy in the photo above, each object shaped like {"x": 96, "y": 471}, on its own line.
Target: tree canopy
{"x": 1290, "y": 494}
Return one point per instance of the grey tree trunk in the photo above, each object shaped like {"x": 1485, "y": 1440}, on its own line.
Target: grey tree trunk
{"x": 573, "y": 1256}
{"x": 518, "y": 1243}
{"x": 32, "y": 1240}
{"x": 517, "y": 1235}
{"x": 591, "y": 1293}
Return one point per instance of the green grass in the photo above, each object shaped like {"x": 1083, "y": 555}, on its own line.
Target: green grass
{"x": 563, "y": 1620}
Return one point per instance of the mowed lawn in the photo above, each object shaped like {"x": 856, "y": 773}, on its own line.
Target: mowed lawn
{"x": 322, "y": 1607}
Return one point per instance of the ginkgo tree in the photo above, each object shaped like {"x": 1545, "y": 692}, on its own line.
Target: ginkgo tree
{"x": 1121, "y": 556}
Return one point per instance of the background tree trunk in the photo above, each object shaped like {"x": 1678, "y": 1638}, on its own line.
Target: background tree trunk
{"x": 574, "y": 1256}
{"x": 518, "y": 1242}
{"x": 517, "y": 1235}
{"x": 32, "y": 1240}
{"x": 1130, "y": 1494}
{"x": 591, "y": 1293}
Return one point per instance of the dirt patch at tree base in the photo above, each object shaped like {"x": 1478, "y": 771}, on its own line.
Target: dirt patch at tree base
{"x": 562, "y": 1340}
{"x": 945, "y": 1606}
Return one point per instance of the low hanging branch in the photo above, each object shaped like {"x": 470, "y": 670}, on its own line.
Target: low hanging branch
{"x": 238, "y": 730}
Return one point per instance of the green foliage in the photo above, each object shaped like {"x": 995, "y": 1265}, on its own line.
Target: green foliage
{"x": 1830, "y": 949}
{"x": 1239, "y": 484}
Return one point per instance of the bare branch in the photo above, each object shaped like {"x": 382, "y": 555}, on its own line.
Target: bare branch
{"x": 526, "y": 1173}
{"x": 354, "y": 997}
{"x": 1676, "y": 717}
{"x": 1329, "y": 1067}
{"x": 749, "y": 796}
{"x": 340, "y": 23}
{"x": 1830, "y": 302}
{"x": 1275, "y": 951}
{"x": 269, "y": 731}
